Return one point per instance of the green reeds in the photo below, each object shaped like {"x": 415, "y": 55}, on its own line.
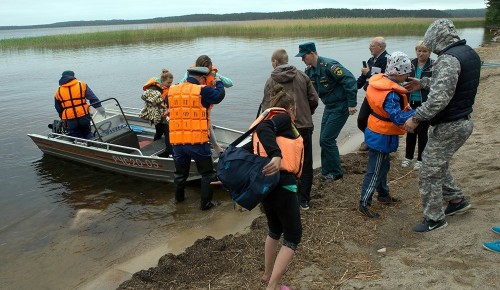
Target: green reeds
{"x": 325, "y": 27}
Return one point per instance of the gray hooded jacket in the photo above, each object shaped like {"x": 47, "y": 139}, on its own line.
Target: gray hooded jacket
{"x": 440, "y": 35}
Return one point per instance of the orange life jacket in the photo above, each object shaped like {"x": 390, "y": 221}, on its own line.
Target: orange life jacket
{"x": 292, "y": 150}
{"x": 156, "y": 82}
{"x": 211, "y": 77}
{"x": 189, "y": 120}
{"x": 379, "y": 121}
{"x": 152, "y": 82}
{"x": 72, "y": 98}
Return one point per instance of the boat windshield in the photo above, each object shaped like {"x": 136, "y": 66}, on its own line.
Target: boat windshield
{"x": 109, "y": 123}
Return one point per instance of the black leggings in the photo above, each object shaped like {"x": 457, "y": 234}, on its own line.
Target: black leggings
{"x": 283, "y": 216}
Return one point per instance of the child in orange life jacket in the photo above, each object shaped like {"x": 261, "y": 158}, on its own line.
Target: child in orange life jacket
{"x": 212, "y": 78}
{"x": 389, "y": 111}
{"x": 278, "y": 139}
{"x": 155, "y": 105}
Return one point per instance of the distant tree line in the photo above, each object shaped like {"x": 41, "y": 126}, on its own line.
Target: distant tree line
{"x": 493, "y": 13}
{"x": 300, "y": 14}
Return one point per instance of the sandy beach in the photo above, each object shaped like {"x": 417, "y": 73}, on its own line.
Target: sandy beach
{"x": 342, "y": 250}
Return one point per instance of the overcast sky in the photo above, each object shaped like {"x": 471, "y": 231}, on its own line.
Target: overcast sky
{"x": 30, "y": 12}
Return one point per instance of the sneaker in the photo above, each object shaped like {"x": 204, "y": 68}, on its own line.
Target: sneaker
{"x": 496, "y": 229}
{"x": 429, "y": 225}
{"x": 304, "y": 205}
{"x": 210, "y": 205}
{"x": 492, "y": 246}
{"x": 330, "y": 177}
{"x": 417, "y": 165}
{"x": 388, "y": 199}
{"x": 367, "y": 212}
{"x": 457, "y": 208}
{"x": 405, "y": 163}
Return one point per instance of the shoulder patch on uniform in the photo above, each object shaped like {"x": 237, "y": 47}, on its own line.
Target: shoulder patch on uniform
{"x": 336, "y": 70}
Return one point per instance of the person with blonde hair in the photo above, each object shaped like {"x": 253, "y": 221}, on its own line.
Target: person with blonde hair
{"x": 422, "y": 67}
{"x": 155, "y": 105}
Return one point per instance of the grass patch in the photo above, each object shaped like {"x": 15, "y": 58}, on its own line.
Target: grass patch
{"x": 325, "y": 27}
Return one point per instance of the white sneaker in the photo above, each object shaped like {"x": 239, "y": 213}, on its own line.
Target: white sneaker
{"x": 417, "y": 165}
{"x": 405, "y": 163}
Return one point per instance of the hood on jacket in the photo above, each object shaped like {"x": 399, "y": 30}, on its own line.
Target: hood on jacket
{"x": 440, "y": 34}
{"x": 284, "y": 73}
{"x": 65, "y": 79}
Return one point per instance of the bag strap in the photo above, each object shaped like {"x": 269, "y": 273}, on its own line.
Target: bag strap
{"x": 245, "y": 135}
{"x": 250, "y": 131}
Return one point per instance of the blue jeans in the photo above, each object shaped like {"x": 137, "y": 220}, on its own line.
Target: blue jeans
{"x": 334, "y": 118}
{"x": 375, "y": 177}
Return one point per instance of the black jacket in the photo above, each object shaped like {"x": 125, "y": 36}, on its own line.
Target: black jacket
{"x": 381, "y": 63}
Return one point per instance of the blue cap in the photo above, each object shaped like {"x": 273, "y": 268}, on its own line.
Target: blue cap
{"x": 305, "y": 48}
{"x": 198, "y": 71}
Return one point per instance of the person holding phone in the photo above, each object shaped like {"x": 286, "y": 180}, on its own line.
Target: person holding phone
{"x": 375, "y": 64}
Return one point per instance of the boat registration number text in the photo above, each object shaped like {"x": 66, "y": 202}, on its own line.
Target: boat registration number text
{"x": 136, "y": 162}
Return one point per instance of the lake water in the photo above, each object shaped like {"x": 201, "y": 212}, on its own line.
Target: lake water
{"x": 64, "y": 224}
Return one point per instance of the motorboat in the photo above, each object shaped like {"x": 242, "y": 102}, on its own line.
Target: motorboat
{"x": 122, "y": 143}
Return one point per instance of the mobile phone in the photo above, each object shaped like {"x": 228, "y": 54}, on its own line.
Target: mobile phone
{"x": 364, "y": 64}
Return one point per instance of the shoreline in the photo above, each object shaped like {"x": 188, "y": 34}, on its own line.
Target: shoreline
{"x": 117, "y": 274}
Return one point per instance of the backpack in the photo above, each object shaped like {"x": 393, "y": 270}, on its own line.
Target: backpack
{"x": 241, "y": 174}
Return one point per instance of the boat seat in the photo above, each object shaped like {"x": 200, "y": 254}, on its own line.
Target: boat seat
{"x": 127, "y": 138}
{"x": 154, "y": 148}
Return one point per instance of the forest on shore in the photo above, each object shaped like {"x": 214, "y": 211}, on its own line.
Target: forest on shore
{"x": 300, "y": 14}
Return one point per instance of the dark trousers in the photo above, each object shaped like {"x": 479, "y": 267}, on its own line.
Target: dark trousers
{"x": 162, "y": 129}
{"x": 375, "y": 178}
{"x": 420, "y": 135}
{"x": 306, "y": 179}
{"x": 206, "y": 170}
{"x": 80, "y": 127}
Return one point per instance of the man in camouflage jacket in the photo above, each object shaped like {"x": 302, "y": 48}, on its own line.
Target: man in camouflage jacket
{"x": 452, "y": 90}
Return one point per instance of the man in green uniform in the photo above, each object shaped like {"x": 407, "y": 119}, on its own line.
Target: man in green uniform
{"x": 337, "y": 89}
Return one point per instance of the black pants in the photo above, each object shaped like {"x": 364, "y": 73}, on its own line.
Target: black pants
{"x": 205, "y": 169}
{"x": 306, "y": 179}
{"x": 419, "y": 135}
{"x": 162, "y": 129}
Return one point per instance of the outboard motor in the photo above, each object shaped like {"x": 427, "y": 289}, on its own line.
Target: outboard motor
{"x": 58, "y": 127}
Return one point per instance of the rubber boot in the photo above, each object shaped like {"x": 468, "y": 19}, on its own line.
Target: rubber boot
{"x": 206, "y": 169}
{"x": 180, "y": 176}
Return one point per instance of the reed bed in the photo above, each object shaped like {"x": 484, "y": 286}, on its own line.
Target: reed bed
{"x": 324, "y": 27}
